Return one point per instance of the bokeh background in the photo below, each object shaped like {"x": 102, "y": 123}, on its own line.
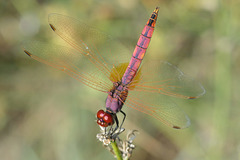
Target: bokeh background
{"x": 46, "y": 115}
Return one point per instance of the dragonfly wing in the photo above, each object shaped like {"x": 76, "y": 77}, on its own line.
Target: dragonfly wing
{"x": 167, "y": 79}
{"x": 92, "y": 58}
{"x": 69, "y": 61}
{"x": 98, "y": 47}
{"x": 159, "y": 107}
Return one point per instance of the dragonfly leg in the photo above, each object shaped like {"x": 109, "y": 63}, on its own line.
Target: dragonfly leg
{"x": 124, "y": 116}
{"x": 109, "y": 131}
{"x": 120, "y": 131}
{"x": 117, "y": 124}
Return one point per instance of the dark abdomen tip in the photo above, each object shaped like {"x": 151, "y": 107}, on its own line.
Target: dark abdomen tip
{"x": 152, "y": 20}
{"x": 156, "y": 10}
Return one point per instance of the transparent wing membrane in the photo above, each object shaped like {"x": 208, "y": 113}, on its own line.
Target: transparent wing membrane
{"x": 160, "y": 107}
{"x": 98, "y": 47}
{"x": 158, "y": 80}
{"x": 92, "y": 57}
{"x": 164, "y": 78}
{"x": 69, "y": 61}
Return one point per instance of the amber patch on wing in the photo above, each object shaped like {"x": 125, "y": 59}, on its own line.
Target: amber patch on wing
{"x": 118, "y": 72}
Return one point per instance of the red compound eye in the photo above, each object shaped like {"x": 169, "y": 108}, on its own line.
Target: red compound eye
{"x": 104, "y": 119}
{"x": 101, "y": 123}
{"x": 108, "y": 118}
{"x": 100, "y": 113}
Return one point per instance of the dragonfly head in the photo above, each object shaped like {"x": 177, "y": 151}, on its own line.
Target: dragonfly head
{"x": 104, "y": 119}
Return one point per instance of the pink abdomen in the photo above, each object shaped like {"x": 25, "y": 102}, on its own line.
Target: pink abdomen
{"x": 140, "y": 49}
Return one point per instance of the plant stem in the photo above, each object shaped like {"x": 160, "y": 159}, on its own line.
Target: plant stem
{"x": 116, "y": 150}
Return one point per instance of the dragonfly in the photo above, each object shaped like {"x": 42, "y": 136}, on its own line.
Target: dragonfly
{"x": 103, "y": 64}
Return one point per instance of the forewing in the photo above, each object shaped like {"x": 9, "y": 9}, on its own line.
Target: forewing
{"x": 91, "y": 58}
{"x": 98, "y": 47}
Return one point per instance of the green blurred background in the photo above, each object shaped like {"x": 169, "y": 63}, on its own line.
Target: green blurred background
{"x": 46, "y": 115}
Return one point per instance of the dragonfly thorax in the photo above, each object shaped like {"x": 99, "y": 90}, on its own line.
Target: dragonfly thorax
{"x": 116, "y": 97}
{"x": 119, "y": 90}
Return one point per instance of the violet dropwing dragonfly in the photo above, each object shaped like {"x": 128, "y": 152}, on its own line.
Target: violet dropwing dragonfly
{"x": 113, "y": 71}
